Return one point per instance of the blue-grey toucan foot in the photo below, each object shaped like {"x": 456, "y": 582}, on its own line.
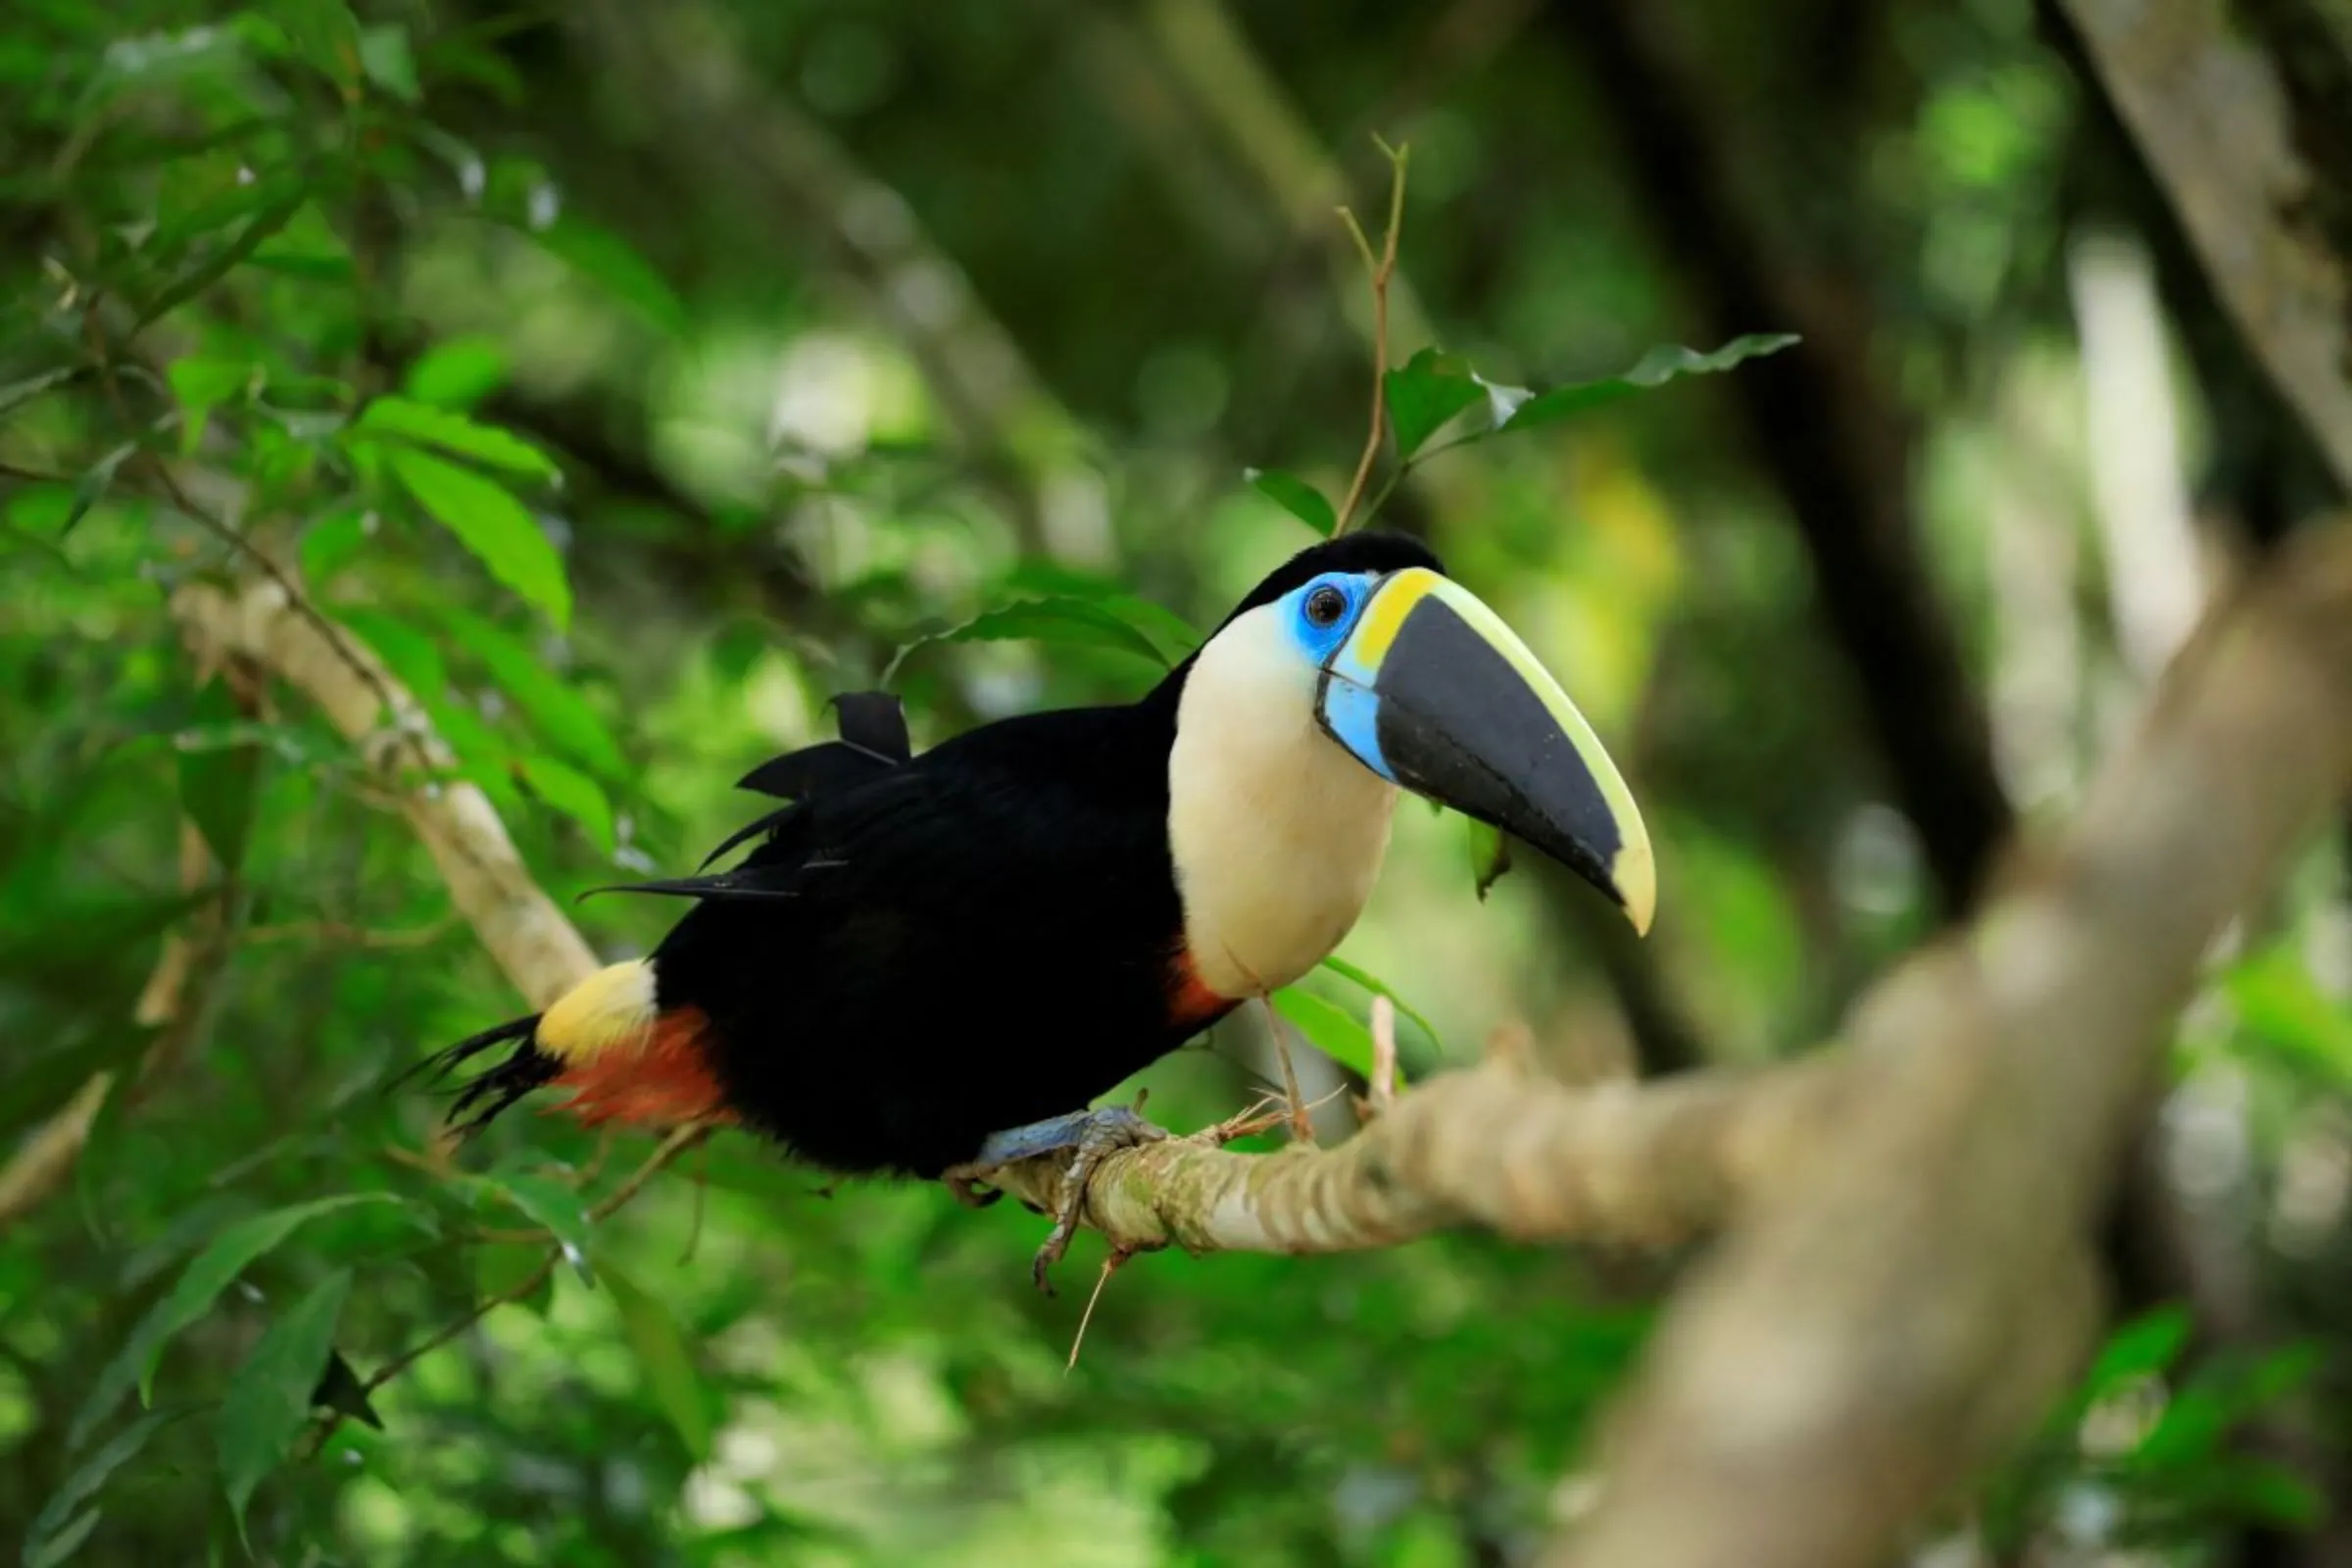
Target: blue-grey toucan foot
{"x": 1088, "y": 1134}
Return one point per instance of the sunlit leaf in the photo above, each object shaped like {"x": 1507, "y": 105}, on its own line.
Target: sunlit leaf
{"x": 1296, "y": 497}
{"x": 575, "y": 795}
{"x": 268, "y": 1400}
{"x": 207, "y": 1275}
{"x": 458, "y": 373}
{"x": 1379, "y": 987}
{"x": 1329, "y": 1028}
{"x": 452, "y": 432}
{"x": 62, "y": 1525}
{"x": 202, "y": 385}
{"x": 1655, "y": 368}
{"x": 2145, "y": 1346}
{"x": 331, "y": 544}
{"x": 411, "y": 656}
{"x": 488, "y": 521}
{"x": 1424, "y": 393}
{"x": 663, "y": 1357}
{"x": 217, "y": 785}
{"x": 2283, "y": 1011}
{"x": 554, "y": 709}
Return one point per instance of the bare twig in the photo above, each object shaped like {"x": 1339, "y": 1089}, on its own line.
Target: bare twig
{"x": 1382, "y": 268}
{"x": 1303, "y": 1126}
{"x": 1383, "y": 1087}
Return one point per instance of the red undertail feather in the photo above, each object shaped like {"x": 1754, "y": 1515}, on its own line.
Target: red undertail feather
{"x": 666, "y": 1081}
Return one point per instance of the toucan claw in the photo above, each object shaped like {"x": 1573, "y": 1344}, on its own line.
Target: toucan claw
{"x": 1089, "y": 1137}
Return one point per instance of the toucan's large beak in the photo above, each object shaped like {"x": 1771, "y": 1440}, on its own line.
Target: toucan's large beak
{"x": 1433, "y": 692}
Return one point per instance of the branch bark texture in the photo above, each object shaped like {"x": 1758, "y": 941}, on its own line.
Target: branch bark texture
{"x": 2240, "y": 117}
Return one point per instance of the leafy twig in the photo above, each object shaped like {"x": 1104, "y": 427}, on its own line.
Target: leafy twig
{"x": 679, "y": 1141}
{"x": 1381, "y": 268}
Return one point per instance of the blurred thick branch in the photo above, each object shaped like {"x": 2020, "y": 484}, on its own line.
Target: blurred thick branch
{"x": 1908, "y": 1274}
{"x": 173, "y": 1003}
{"x": 540, "y": 950}
{"x": 2240, "y": 118}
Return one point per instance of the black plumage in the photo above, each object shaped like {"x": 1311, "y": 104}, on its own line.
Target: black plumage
{"x": 920, "y": 950}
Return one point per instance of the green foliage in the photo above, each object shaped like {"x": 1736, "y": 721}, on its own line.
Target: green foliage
{"x": 621, "y": 456}
{"x": 269, "y": 1399}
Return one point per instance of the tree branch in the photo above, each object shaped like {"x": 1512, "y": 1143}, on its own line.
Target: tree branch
{"x": 540, "y": 950}
{"x": 2232, "y": 145}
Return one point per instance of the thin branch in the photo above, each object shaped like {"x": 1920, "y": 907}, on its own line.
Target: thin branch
{"x": 1383, "y": 270}
{"x": 679, "y": 1141}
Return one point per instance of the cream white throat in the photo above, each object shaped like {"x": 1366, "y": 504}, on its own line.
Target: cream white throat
{"x": 1277, "y": 833}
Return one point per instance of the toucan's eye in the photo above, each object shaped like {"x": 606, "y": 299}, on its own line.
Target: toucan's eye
{"x": 1325, "y": 606}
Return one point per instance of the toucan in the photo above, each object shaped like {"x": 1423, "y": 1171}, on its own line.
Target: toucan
{"x": 929, "y": 966}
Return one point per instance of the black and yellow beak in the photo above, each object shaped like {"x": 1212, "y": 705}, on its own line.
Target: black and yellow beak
{"x": 1433, "y": 693}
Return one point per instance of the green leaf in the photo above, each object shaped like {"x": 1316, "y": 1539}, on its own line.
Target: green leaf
{"x": 217, "y": 785}
{"x": 61, "y": 1527}
{"x": 2270, "y": 1491}
{"x": 2283, "y": 1011}
{"x": 91, "y": 487}
{"x": 207, "y": 1275}
{"x": 663, "y": 1355}
{"x": 389, "y": 62}
{"x": 214, "y": 264}
{"x": 575, "y": 795}
{"x": 202, "y": 385}
{"x": 451, "y": 431}
{"x": 413, "y": 658}
{"x": 604, "y": 259}
{"x": 500, "y": 1269}
{"x": 1060, "y": 621}
{"x": 1329, "y": 1028}
{"x": 458, "y": 373}
{"x": 489, "y": 522}
{"x": 554, "y": 709}
{"x": 1379, "y": 987}
{"x": 269, "y": 1400}
{"x": 2145, "y": 1346}
{"x": 1425, "y": 392}
{"x": 1296, "y": 497}
{"x": 329, "y": 544}
{"x": 1656, "y": 367}
{"x": 550, "y": 1205}
{"x": 1490, "y": 854}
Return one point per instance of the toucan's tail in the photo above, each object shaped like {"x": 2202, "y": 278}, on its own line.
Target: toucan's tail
{"x": 607, "y": 1040}
{"x": 480, "y": 1099}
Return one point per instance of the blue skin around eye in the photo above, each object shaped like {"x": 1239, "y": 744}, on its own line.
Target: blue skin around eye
{"x": 1350, "y": 711}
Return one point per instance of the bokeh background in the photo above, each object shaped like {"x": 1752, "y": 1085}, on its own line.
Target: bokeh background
{"x": 830, "y": 327}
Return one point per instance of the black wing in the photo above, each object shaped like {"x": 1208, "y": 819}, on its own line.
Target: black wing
{"x": 873, "y": 740}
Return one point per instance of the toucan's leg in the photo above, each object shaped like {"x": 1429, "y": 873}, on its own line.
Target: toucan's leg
{"x": 1088, "y": 1135}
